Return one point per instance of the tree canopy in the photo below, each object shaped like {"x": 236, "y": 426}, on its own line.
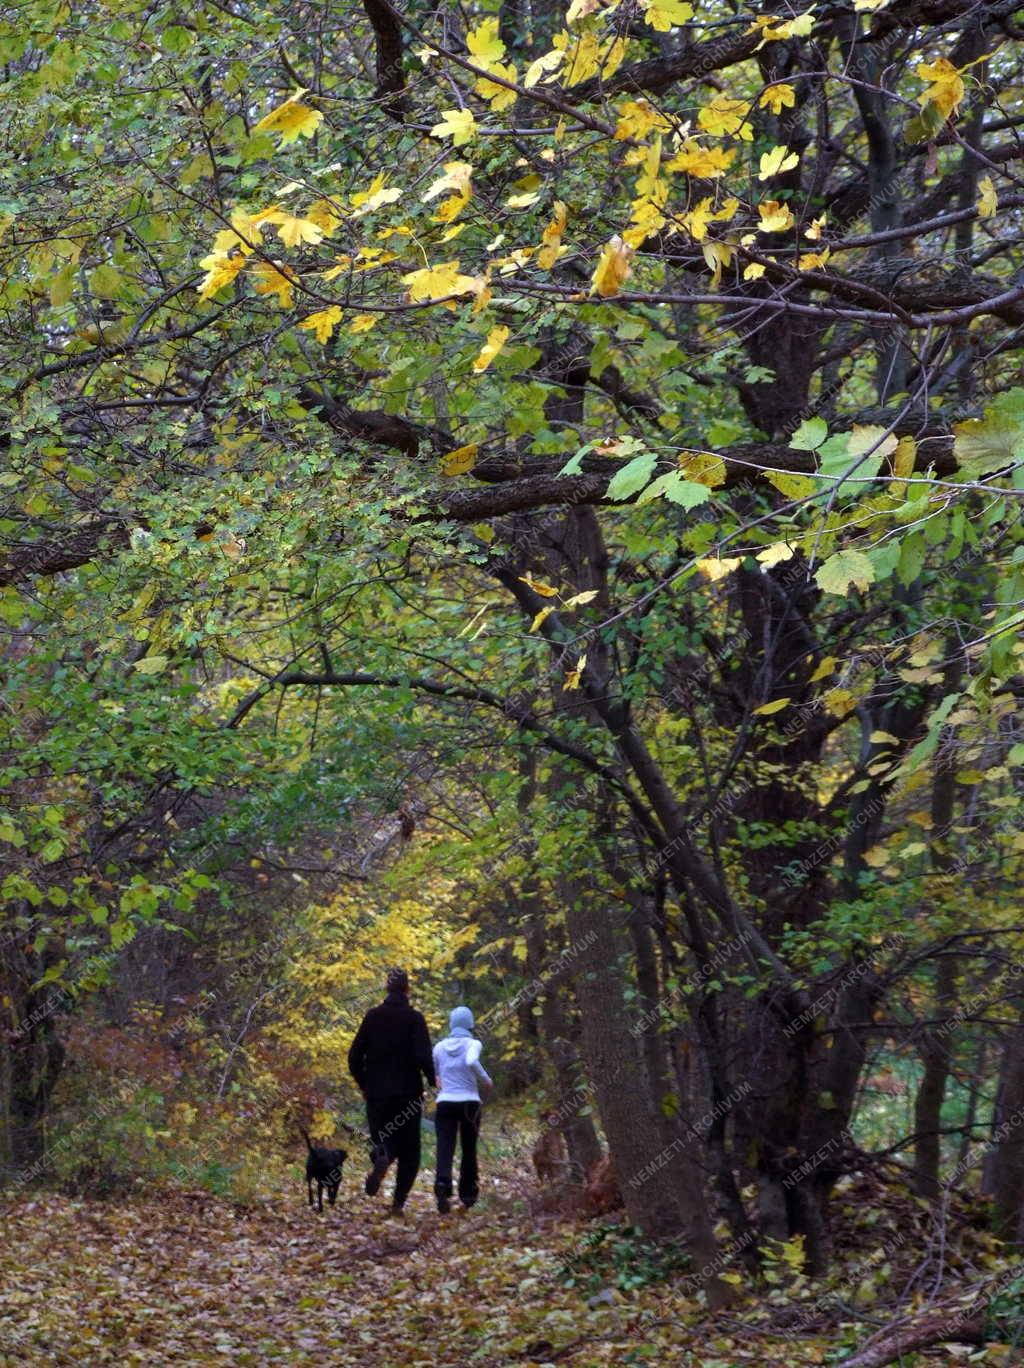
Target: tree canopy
{"x": 535, "y": 491}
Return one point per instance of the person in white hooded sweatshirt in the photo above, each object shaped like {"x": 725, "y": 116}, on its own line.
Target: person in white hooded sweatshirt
{"x": 459, "y": 1078}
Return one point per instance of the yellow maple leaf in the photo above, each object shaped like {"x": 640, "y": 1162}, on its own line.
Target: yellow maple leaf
{"x": 579, "y": 9}
{"x": 775, "y": 216}
{"x": 246, "y": 230}
{"x": 577, "y": 600}
{"x": 457, "y": 179}
{"x": 717, "y": 255}
{"x": 637, "y": 118}
{"x": 717, "y": 567}
{"x": 343, "y": 263}
{"x": 551, "y": 239}
{"x": 774, "y": 32}
{"x": 326, "y": 216}
{"x": 294, "y": 231}
{"x": 585, "y": 56}
{"x": 484, "y": 43}
{"x": 776, "y": 705}
{"x": 542, "y": 617}
{"x": 457, "y": 124}
{"x": 539, "y": 587}
{"x": 754, "y": 271}
{"x": 827, "y": 667}
{"x": 904, "y": 457}
{"x": 498, "y": 96}
{"x": 461, "y": 460}
{"x": 572, "y": 679}
{"x": 438, "y": 282}
{"x": 220, "y": 271}
{"x": 815, "y": 230}
{"x": 777, "y": 97}
{"x": 697, "y": 220}
{"x": 707, "y": 163}
{"x": 946, "y": 88}
{"x": 662, "y": 15}
{"x": 544, "y": 65}
{"x": 291, "y": 120}
{"x": 322, "y": 323}
{"x": 612, "y": 268}
{"x": 988, "y": 201}
{"x": 274, "y": 278}
{"x": 725, "y": 116}
{"x": 582, "y": 56}
{"x": 775, "y": 554}
{"x": 775, "y": 162}
{"x": 374, "y": 196}
{"x": 813, "y": 261}
{"x": 496, "y": 339}
{"x": 363, "y": 323}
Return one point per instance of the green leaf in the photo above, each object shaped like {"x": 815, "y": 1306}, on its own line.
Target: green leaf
{"x": 686, "y": 493}
{"x": 62, "y": 286}
{"x": 809, "y": 435}
{"x": 105, "y": 282}
{"x": 842, "y": 570}
{"x": 151, "y": 664}
{"x": 885, "y": 558}
{"x": 572, "y": 465}
{"x": 633, "y": 476}
{"x": 981, "y": 445}
{"x": 911, "y": 559}
{"x": 176, "y": 39}
{"x": 846, "y": 451}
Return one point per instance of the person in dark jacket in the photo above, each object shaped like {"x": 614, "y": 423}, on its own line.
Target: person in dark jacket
{"x": 391, "y": 1060}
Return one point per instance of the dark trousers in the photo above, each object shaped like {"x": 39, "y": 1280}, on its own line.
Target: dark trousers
{"x": 457, "y": 1120}
{"x": 395, "y": 1135}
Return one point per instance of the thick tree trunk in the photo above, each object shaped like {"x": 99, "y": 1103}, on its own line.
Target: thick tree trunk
{"x": 657, "y": 1166}
{"x": 557, "y": 1036}
{"x": 32, "y": 1061}
{"x": 931, "y": 1090}
{"x": 1005, "y": 1172}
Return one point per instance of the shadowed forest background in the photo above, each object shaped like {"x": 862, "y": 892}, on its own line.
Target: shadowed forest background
{"x": 532, "y": 495}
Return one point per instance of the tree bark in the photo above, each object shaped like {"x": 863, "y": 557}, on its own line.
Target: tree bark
{"x": 658, "y": 1172}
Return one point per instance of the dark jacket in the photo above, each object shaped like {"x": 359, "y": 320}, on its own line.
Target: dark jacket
{"x": 392, "y": 1050}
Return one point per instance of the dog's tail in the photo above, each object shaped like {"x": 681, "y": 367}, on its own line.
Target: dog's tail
{"x": 305, "y": 1135}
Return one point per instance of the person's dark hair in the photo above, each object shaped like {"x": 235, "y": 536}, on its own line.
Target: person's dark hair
{"x": 397, "y": 981}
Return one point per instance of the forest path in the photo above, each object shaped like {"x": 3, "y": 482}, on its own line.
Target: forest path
{"x": 184, "y": 1278}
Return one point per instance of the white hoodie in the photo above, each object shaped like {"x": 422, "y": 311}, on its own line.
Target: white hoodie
{"x": 458, "y": 1068}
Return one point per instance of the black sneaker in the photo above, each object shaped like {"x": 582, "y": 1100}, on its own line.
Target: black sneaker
{"x": 444, "y": 1204}
{"x": 398, "y": 1210}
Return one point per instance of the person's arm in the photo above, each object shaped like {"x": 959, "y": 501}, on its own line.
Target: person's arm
{"x": 424, "y": 1052}
{"x": 357, "y": 1057}
{"x": 482, "y": 1075}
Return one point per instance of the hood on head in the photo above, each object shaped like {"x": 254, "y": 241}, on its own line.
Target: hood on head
{"x": 460, "y": 1021}
{"x": 455, "y": 1046}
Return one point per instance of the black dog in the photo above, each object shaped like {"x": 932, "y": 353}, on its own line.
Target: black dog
{"x": 323, "y": 1167}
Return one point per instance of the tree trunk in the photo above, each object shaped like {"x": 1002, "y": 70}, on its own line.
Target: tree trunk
{"x": 936, "y": 1049}
{"x": 557, "y": 1036}
{"x": 32, "y": 1061}
{"x": 658, "y": 1171}
{"x": 1005, "y": 1175}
